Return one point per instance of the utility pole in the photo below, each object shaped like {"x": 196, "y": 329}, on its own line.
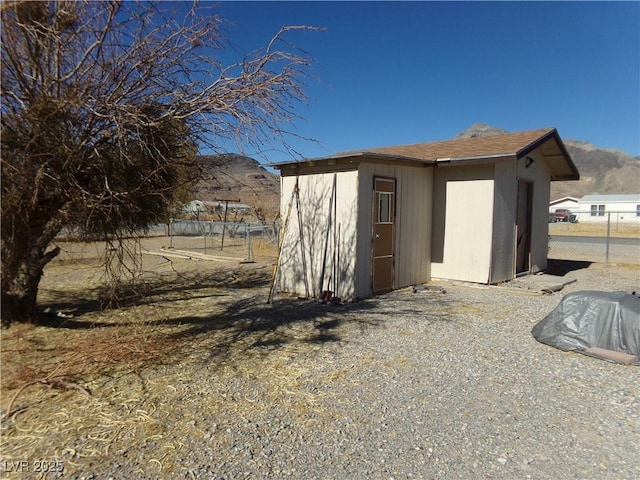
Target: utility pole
{"x": 226, "y": 208}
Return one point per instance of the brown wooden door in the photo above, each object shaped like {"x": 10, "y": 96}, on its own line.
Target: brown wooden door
{"x": 383, "y": 234}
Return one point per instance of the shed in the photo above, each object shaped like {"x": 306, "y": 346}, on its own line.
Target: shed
{"x": 369, "y": 221}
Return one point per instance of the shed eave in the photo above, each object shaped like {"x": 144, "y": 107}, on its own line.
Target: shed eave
{"x": 310, "y": 161}
{"x": 553, "y": 134}
{"x": 564, "y": 178}
{"x": 476, "y": 158}
{"x": 354, "y": 158}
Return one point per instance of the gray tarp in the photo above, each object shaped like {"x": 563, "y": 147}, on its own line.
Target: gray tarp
{"x": 607, "y": 320}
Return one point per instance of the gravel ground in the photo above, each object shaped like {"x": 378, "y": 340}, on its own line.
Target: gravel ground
{"x": 435, "y": 386}
{"x": 404, "y": 385}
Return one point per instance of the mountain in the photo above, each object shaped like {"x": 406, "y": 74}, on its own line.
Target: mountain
{"x": 234, "y": 177}
{"x": 605, "y": 171}
{"x": 480, "y": 130}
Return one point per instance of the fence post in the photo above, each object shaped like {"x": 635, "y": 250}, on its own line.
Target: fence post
{"x": 204, "y": 235}
{"x": 608, "y": 235}
{"x": 249, "y": 246}
{"x": 171, "y": 233}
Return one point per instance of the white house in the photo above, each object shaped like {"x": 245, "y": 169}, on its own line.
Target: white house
{"x": 569, "y": 203}
{"x": 195, "y": 207}
{"x": 598, "y": 208}
{"x": 220, "y": 206}
{"x": 368, "y": 221}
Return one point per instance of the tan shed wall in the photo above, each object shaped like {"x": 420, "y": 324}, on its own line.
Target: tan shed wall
{"x": 452, "y": 221}
{"x": 315, "y": 205}
{"x": 462, "y": 222}
{"x": 540, "y": 174}
{"x": 504, "y": 215}
{"x": 412, "y": 224}
{"x": 474, "y": 219}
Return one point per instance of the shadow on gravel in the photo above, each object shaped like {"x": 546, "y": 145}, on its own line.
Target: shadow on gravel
{"x": 561, "y": 267}
{"x": 249, "y": 324}
{"x": 252, "y": 323}
{"x": 224, "y": 312}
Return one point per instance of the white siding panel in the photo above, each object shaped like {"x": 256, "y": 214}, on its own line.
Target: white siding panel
{"x": 504, "y": 221}
{"x": 463, "y": 222}
{"x": 414, "y": 189}
{"x": 363, "y": 263}
{"x": 413, "y": 254}
{"x": 327, "y": 241}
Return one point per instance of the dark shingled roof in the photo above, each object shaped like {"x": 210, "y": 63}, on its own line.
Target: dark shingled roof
{"x": 505, "y": 144}
{"x": 516, "y": 145}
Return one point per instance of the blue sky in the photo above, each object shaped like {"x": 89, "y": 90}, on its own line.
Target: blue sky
{"x": 392, "y": 73}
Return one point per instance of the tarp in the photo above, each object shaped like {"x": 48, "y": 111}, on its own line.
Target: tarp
{"x": 590, "y": 321}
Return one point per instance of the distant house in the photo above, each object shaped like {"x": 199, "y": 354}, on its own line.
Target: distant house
{"x": 569, "y": 203}
{"x": 195, "y": 208}
{"x": 598, "y": 208}
{"x": 369, "y": 221}
{"x": 219, "y": 206}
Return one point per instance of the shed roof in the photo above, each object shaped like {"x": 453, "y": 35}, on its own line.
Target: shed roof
{"x": 506, "y": 145}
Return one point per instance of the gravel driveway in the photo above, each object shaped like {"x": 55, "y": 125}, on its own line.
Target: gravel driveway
{"x": 432, "y": 385}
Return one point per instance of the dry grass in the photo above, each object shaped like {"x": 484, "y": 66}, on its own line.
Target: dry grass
{"x": 594, "y": 230}
{"x": 91, "y": 386}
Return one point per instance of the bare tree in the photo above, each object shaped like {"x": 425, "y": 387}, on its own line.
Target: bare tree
{"x": 104, "y": 106}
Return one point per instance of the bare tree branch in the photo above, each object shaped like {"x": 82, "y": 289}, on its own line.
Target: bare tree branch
{"x": 104, "y": 106}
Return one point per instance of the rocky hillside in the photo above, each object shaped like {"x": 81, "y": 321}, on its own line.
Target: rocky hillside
{"x": 238, "y": 178}
{"x": 604, "y": 171}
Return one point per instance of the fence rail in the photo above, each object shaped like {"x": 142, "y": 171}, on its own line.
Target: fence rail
{"x": 210, "y": 236}
{"x": 190, "y": 228}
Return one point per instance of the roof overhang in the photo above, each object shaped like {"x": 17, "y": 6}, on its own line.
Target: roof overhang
{"x": 476, "y": 159}
{"x": 555, "y": 154}
{"x": 546, "y": 142}
{"x": 347, "y": 161}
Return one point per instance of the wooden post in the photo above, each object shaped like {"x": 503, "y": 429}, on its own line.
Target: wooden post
{"x": 224, "y": 222}
{"x": 608, "y": 236}
{"x": 283, "y": 232}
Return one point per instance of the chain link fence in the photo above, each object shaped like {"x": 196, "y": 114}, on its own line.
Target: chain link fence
{"x": 596, "y": 236}
{"x": 612, "y": 237}
{"x": 214, "y": 237}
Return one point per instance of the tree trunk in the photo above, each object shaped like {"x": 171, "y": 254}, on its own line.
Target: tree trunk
{"x": 19, "y": 303}
{"x": 22, "y": 268}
